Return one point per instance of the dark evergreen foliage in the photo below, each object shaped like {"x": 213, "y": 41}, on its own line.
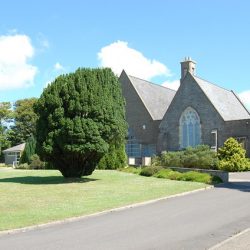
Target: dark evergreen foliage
{"x": 29, "y": 150}
{"x": 80, "y": 116}
{"x": 115, "y": 158}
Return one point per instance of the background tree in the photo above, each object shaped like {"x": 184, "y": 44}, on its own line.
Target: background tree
{"x": 25, "y": 120}
{"x": 29, "y": 150}
{"x": 114, "y": 158}
{"x": 5, "y": 117}
{"x": 81, "y": 115}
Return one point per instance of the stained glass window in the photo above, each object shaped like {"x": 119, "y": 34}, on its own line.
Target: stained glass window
{"x": 190, "y": 128}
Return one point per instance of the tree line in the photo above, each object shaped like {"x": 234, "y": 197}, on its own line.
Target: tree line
{"x": 17, "y": 122}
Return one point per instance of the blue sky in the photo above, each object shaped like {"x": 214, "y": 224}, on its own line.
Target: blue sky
{"x": 40, "y": 40}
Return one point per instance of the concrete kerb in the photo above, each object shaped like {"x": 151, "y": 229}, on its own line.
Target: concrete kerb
{"x": 72, "y": 219}
{"x": 236, "y": 240}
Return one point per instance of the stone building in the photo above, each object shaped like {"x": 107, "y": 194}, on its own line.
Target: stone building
{"x": 199, "y": 112}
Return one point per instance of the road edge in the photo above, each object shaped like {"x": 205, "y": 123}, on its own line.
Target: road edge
{"x": 229, "y": 240}
{"x": 73, "y": 219}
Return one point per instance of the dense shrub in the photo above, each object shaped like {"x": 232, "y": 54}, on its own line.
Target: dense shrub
{"x": 163, "y": 173}
{"x": 36, "y": 163}
{"x": 188, "y": 176}
{"x": 131, "y": 170}
{"x": 80, "y": 115}
{"x": 171, "y": 159}
{"x": 168, "y": 174}
{"x": 200, "y": 156}
{"x": 150, "y": 170}
{"x": 232, "y": 157}
{"x": 115, "y": 158}
{"x": 23, "y": 166}
{"x": 197, "y": 177}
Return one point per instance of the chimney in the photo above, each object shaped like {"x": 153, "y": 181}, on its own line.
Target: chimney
{"x": 188, "y": 65}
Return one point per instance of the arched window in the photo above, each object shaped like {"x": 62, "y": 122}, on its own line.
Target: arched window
{"x": 190, "y": 128}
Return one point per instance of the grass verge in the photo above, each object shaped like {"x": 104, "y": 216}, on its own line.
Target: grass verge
{"x": 30, "y": 197}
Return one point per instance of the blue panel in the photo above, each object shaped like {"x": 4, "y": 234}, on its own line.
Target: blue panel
{"x": 191, "y": 134}
{"x": 197, "y": 134}
{"x": 184, "y": 136}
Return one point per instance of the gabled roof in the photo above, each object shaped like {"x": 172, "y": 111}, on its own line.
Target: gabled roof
{"x": 17, "y": 148}
{"x": 226, "y": 102}
{"x": 156, "y": 98}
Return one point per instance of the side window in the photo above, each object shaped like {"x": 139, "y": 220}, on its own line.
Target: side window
{"x": 243, "y": 141}
{"x": 214, "y": 141}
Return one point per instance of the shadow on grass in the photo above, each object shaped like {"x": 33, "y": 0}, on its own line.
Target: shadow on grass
{"x": 44, "y": 180}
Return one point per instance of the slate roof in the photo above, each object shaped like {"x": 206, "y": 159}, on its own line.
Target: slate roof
{"x": 156, "y": 98}
{"x": 226, "y": 102}
{"x": 17, "y": 148}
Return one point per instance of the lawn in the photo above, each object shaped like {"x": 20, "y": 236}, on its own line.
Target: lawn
{"x": 29, "y": 197}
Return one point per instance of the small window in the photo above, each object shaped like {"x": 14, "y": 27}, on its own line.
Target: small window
{"x": 214, "y": 144}
{"x": 242, "y": 141}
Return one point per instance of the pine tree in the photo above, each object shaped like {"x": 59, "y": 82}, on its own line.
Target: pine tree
{"x": 29, "y": 150}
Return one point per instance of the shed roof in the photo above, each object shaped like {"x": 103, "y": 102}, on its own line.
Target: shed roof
{"x": 156, "y": 98}
{"x": 17, "y": 148}
{"x": 226, "y": 102}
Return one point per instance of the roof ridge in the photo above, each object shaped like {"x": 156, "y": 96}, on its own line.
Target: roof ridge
{"x": 150, "y": 113}
{"x": 223, "y": 110}
{"x": 212, "y": 83}
{"x": 240, "y": 102}
{"x": 152, "y": 83}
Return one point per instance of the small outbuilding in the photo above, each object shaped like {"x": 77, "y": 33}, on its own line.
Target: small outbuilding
{"x": 12, "y": 155}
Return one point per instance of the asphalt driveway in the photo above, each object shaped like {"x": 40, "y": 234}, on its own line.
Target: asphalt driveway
{"x": 195, "y": 221}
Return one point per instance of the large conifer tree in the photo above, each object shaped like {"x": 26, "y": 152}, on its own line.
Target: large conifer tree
{"x": 80, "y": 115}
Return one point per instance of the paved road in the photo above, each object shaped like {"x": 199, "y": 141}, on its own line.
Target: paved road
{"x": 195, "y": 221}
{"x": 240, "y": 241}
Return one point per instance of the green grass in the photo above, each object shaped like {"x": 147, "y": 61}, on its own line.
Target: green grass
{"x": 29, "y": 197}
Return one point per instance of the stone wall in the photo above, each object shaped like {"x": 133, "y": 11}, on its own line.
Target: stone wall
{"x": 144, "y": 127}
{"x": 189, "y": 95}
{"x": 238, "y": 129}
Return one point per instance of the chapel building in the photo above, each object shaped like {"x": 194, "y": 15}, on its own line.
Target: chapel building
{"x": 199, "y": 112}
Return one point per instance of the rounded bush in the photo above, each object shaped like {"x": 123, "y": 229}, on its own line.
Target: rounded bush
{"x": 232, "y": 157}
{"x": 150, "y": 171}
{"x": 80, "y": 116}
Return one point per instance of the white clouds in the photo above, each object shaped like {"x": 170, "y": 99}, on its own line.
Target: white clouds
{"x": 245, "y": 98}
{"x": 43, "y": 41}
{"x": 15, "y": 71}
{"x": 119, "y": 56}
{"x": 58, "y": 67}
{"x": 172, "y": 84}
